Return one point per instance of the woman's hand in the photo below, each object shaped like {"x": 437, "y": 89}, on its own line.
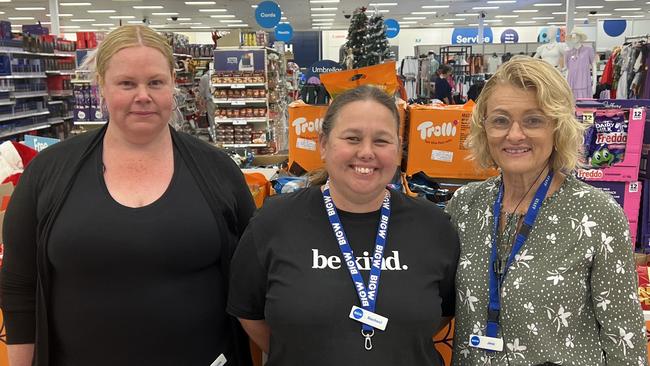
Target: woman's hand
{"x": 259, "y": 332}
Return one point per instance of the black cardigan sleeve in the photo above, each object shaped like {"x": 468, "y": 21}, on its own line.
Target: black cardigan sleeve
{"x": 18, "y": 282}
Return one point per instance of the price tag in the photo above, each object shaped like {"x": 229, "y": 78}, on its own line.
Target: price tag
{"x": 637, "y": 114}
{"x": 588, "y": 117}
{"x": 239, "y": 122}
{"x": 634, "y": 187}
{"x": 238, "y": 102}
{"x": 237, "y": 86}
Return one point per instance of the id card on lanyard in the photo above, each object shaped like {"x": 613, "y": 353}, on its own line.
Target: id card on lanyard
{"x": 367, "y": 295}
{"x": 498, "y": 271}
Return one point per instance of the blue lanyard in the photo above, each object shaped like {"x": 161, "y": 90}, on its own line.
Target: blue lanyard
{"x": 497, "y": 274}
{"x": 367, "y": 295}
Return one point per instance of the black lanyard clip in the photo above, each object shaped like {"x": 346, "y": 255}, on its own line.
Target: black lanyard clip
{"x": 493, "y": 316}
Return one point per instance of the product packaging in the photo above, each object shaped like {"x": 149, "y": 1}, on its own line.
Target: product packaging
{"x": 304, "y": 127}
{"x": 628, "y": 195}
{"x": 382, "y": 76}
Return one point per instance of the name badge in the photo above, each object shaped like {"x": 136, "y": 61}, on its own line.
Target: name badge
{"x": 486, "y": 343}
{"x": 220, "y": 361}
{"x": 368, "y": 318}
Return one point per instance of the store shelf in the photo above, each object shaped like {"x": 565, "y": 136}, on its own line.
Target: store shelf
{"x": 241, "y": 121}
{"x": 242, "y": 101}
{"x": 61, "y": 93}
{"x": 89, "y": 123}
{"x": 54, "y": 102}
{"x": 7, "y": 102}
{"x": 19, "y": 95}
{"x": 60, "y": 72}
{"x": 237, "y": 86}
{"x": 7, "y": 117}
{"x": 69, "y": 116}
{"x": 55, "y": 120}
{"x": 20, "y": 130}
{"x": 25, "y": 75}
{"x": 243, "y": 145}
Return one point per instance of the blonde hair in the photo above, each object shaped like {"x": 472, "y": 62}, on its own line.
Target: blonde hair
{"x": 124, "y": 37}
{"x": 555, "y": 99}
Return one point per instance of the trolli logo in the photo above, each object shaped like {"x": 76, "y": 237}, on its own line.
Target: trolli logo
{"x": 428, "y": 129}
{"x": 302, "y": 125}
{"x": 390, "y": 263}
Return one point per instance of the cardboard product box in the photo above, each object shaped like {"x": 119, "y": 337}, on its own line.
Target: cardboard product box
{"x": 304, "y": 126}
{"x": 644, "y": 217}
{"x": 81, "y": 113}
{"x": 628, "y": 195}
{"x": 436, "y": 141}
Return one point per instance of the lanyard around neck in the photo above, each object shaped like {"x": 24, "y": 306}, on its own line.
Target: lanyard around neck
{"x": 497, "y": 271}
{"x": 367, "y": 295}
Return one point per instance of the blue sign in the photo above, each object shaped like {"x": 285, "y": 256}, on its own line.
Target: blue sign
{"x": 267, "y": 14}
{"x": 470, "y": 35}
{"x": 509, "y": 36}
{"x": 392, "y": 28}
{"x": 305, "y": 46}
{"x": 322, "y": 67}
{"x": 283, "y": 32}
{"x": 39, "y": 143}
{"x": 614, "y": 27}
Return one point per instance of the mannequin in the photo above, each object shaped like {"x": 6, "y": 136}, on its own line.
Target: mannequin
{"x": 552, "y": 52}
{"x": 581, "y": 66}
{"x": 492, "y": 63}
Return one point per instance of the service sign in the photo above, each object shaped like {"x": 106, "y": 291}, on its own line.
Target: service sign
{"x": 470, "y": 36}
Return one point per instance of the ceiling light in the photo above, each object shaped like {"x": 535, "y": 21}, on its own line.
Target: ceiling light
{"x": 382, "y": 4}
{"x": 467, "y": 15}
{"x": 548, "y": 4}
{"x": 61, "y": 15}
{"x": 559, "y": 13}
{"x": 453, "y": 19}
{"x": 164, "y": 13}
{"x": 627, "y": 9}
{"x": 32, "y": 8}
{"x": 100, "y": 11}
{"x": 122, "y": 17}
{"x": 200, "y": 3}
{"x": 323, "y": 15}
{"x": 526, "y": 22}
{"x": 21, "y": 18}
{"x": 242, "y": 25}
{"x": 75, "y": 4}
{"x": 321, "y": 24}
{"x": 506, "y": 16}
{"x": 222, "y": 16}
{"x": 435, "y": 6}
{"x": 414, "y": 18}
{"x": 230, "y": 21}
{"x": 423, "y": 12}
{"x": 485, "y": 7}
{"x": 321, "y": 28}
{"x": 409, "y": 22}
{"x": 147, "y": 6}
{"x": 580, "y": 19}
{"x": 134, "y": 21}
{"x": 493, "y": 20}
{"x": 600, "y": 15}
{"x": 632, "y": 16}
{"x": 324, "y": 9}
{"x": 442, "y": 23}
{"x": 323, "y": 20}
{"x": 542, "y": 18}
{"x": 383, "y": 10}
{"x": 180, "y": 19}
{"x": 590, "y": 7}
{"x": 473, "y": 25}
{"x": 83, "y": 20}
{"x": 103, "y": 25}
{"x": 283, "y": 18}
{"x": 157, "y": 25}
{"x": 213, "y": 10}
{"x": 556, "y": 23}
{"x": 501, "y": 1}
{"x": 525, "y": 11}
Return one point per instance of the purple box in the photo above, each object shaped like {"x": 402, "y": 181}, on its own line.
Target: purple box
{"x": 81, "y": 113}
{"x": 644, "y": 218}
{"x": 628, "y": 195}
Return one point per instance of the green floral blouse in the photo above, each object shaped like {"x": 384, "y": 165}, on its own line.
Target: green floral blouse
{"x": 569, "y": 298}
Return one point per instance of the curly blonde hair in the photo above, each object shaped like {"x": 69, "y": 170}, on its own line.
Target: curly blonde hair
{"x": 555, "y": 99}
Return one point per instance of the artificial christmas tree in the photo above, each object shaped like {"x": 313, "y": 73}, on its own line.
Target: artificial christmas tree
{"x": 376, "y": 46}
{"x": 357, "y": 37}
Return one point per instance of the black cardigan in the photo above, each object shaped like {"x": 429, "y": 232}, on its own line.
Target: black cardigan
{"x": 46, "y": 182}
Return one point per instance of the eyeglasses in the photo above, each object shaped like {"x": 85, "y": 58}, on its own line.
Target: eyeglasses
{"x": 532, "y": 125}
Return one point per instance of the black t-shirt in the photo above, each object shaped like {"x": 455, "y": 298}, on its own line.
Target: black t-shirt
{"x": 136, "y": 286}
{"x": 443, "y": 89}
{"x": 288, "y": 270}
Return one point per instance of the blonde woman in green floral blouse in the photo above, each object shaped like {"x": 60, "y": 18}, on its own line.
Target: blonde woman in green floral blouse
{"x": 560, "y": 284}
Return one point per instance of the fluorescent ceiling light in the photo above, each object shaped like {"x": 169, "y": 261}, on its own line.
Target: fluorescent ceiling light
{"x": 408, "y": 22}
{"x": 231, "y": 21}
{"x": 323, "y": 15}
{"x": 556, "y": 23}
{"x": 442, "y": 23}
{"x": 242, "y": 25}
{"x": 506, "y": 16}
{"x": 322, "y": 28}
{"x": 180, "y": 19}
{"x": 627, "y": 9}
{"x": 321, "y": 24}
{"x": 147, "y": 6}
{"x": 134, "y": 22}
{"x": 559, "y": 13}
{"x": 485, "y": 7}
{"x": 323, "y": 20}
{"x": 525, "y": 11}
{"x": 75, "y": 4}
{"x": 222, "y": 16}
{"x": 157, "y": 25}
{"x": 548, "y": 4}
{"x": 100, "y": 11}
{"x": 213, "y": 10}
{"x": 423, "y": 12}
{"x": 435, "y": 6}
{"x": 526, "y": 22}
{"x": 122, "y": 17}
{"x": 414, "y": 18}
{"x": 254, "y": 6}
{"x": 590, "y": 7}
{"x": 580, "y": 19}
{"x": 493, "y": 20}
{"x": 103, "y": 25}
{"x": 383, "y": 10}
{"x": 467, "y": 15}
{"x": 382, "y": 4}
{"x": 453, "y": 19}
{"x": 542, "y": 18}
{"x": 21, "y": 18}
{"x": 31, "y": 8}
{"x": 283, "y": 18}
{"x": 324, "y": 9}
{"x": 632, "y": 16}
{"x": 164, "y": 13}
{"x": 200, "y": 3}
{"x": 61, "y": 15}
{"x": 83, "y": 20}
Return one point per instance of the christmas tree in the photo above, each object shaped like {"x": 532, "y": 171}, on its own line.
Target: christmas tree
{"x": 357, "y": 37}
{"x": 376, "y": 46}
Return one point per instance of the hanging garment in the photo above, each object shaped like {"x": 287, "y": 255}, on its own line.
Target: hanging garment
{"x": 579, "y": 62}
